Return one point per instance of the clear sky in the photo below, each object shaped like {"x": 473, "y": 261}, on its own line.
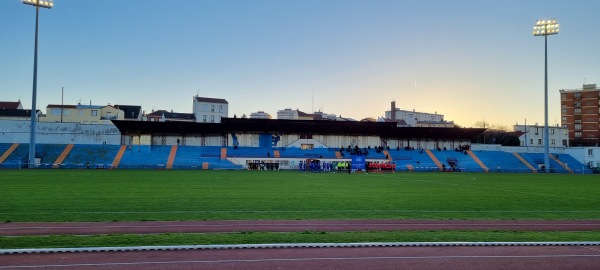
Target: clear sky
{"x": 470, "y": 60}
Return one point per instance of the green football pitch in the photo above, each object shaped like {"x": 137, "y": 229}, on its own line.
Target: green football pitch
{"x": 118, "y": 195}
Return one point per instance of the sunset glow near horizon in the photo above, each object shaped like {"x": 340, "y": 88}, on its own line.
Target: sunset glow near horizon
{"x": 468, "y": 60}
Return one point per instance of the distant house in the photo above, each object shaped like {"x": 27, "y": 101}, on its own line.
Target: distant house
{"x": 210, "y": 110}
{"x": 10, "y": 110}
{"x": 260, "y": 115}
{"x": 16, "y": 105}
{"x": 289, "y": 114}
{"x": 15, "y": 114}
{"x": 131, "y": 112}
{"x": 166, "y": 116}
{"x": 83, "y": 114}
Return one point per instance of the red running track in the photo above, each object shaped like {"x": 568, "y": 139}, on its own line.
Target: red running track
{"x": 415, "y": 258}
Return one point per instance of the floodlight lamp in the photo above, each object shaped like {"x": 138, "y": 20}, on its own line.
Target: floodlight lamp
{"x": 545, "y": 27}
{"x": 39, "y": 3}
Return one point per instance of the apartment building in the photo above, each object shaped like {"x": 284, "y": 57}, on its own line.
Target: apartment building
{"x": 580, "y": 114}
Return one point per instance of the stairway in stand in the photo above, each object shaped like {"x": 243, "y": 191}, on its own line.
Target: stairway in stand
{"x": 62, "y": 156}
{"x": 172, "y": 155}
{"x": 8, "y": 152}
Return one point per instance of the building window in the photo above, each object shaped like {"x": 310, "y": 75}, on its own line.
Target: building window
{"x": 578, "y": 121}
{"x": 537, "y": 131}
{"x": 531, "y": 141}
{"x": 577, "y": 134}
{"x": 577, "y": 104}
{"x": 564, "y": 142}
{"x": 152, "y": 119}
{"x": 577, "y": 110}
{"x": 565, "y": 126}
{"x": 564, "y": 110}
{"x": 577, "y": 126}
{"x": 204, "y": 118}
{"x": 564, "y": 118}
{"x": 94, "y": 112}
{"x": 563, "y": 96}
{"x": 212, "y": 118}
{"x": 577, "y": 95}
{"x": 540, "y": 141}
{"x": 212, "y": 108}
{"x": 591, "y": 152}
{"x": 55, "y": 111}
{"x": 552, "y": 141}
{"x": 81, "y": 112}
{"x": 551, "y": 131}
{"x": 220, "y": 108}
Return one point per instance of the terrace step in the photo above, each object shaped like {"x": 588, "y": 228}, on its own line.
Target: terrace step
{"x": 223, "y": 153}
{"x": 62, "y": 156}
{"x": 479, "y": 162}
{"x": 117, "y": 160}
{"x": 8, "y": 152}
{"x": 435, "y": 160}
{"x": 525, "y": 162}
{"x": 561, "y": 163}
{"x": 172, "y": 155}
{"x": 387, "y": 154}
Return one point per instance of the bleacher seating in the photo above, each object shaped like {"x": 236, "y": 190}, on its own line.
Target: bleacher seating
{"x": 97, "y": 156}
{"x": 573, "y": 164}
{"x": 154, "y": 158}
{"x": 498, "y": 161}
{"x": 198, "y": 157}
{"x": 463, "y": 162}
{"x": 536, "y": 159}
{"x": 420, "y": 161}
{"x": 193, "y": 157}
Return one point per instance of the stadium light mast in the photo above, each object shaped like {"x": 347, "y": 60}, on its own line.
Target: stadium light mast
{"x": 545, "y": 28}
{"x": 37, "y": 4}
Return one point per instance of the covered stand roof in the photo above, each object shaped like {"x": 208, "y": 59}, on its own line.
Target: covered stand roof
{"x": 245, "y": 125}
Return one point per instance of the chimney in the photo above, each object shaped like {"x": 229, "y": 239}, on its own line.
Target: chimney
{"x": 393, "y": 111}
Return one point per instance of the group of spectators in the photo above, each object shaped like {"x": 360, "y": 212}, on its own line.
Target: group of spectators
{"x": 380, "y": 167}
{"x": 315, "y": 165}
{"x": 263, "y": 166}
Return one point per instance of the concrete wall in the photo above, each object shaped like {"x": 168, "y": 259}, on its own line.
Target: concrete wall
{"x": 15, "y": 131}
{"x": 586, "y": 155}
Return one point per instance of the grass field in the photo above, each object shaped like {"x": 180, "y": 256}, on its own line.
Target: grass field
{"x": 108, "y": 195}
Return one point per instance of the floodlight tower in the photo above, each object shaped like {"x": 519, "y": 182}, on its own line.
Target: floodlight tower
{"x": 37, "y": 4}
{"x": 545, "y": 28}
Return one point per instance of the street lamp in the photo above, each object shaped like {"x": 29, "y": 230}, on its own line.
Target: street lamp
{"x": 545, "y": 28}
{"x": 37, "y": 4}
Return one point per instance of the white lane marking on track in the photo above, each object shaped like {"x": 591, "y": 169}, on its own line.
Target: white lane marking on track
{"x": 303, "y": 260}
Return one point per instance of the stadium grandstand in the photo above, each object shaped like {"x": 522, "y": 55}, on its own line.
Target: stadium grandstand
{"x": 242, "y": 143}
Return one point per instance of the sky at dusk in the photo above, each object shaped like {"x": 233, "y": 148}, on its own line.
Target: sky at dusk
{"x": 469, "y": 60}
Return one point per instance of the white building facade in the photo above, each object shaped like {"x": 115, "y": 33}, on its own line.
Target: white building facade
{"x": 416, "y": 119}
{"x": 210, "y": 110}
{"x": 533, "y": 135}
{"x": 260, "y": 115}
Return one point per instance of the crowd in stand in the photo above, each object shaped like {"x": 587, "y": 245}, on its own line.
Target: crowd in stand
{"x": 315, "y": 165}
